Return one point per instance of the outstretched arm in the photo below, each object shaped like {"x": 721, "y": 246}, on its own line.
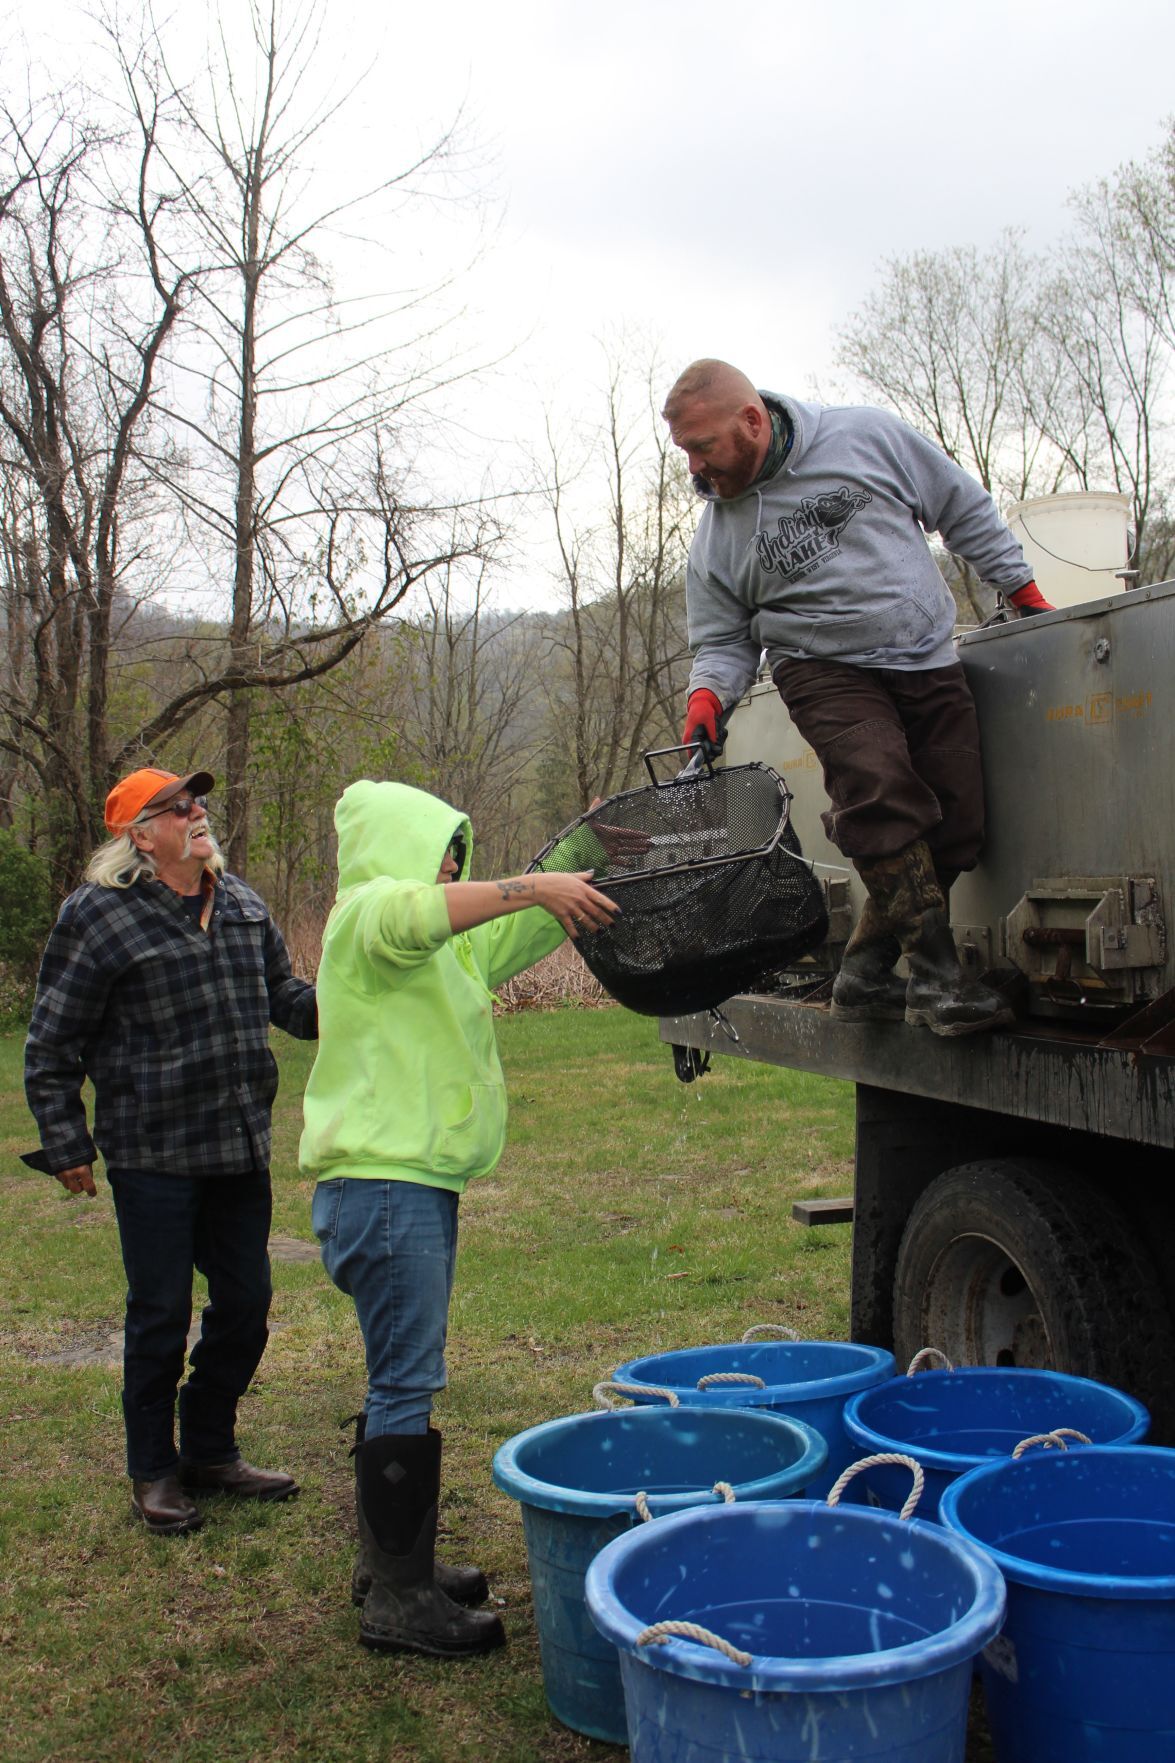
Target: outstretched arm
{"x": 569, "y": 898}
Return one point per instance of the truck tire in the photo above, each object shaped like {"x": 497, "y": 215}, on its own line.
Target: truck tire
{"x": 1019, "y": 1262}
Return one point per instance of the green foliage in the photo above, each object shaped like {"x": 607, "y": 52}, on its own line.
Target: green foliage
{"x": 629, "y": 1213}
{"x": 26, "y": 906}
{"x": 555, "y": 790}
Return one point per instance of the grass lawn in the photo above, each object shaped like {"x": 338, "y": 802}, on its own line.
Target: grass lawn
{"x": 629, "y": 1213}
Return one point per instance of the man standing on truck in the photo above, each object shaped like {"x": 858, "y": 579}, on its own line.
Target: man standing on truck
{"x": 811, "y": 547}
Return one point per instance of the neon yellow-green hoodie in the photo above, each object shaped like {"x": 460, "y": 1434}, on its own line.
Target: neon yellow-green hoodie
{"x": 407, "y": 1084}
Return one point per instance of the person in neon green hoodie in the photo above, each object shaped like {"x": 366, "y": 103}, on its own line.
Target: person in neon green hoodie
{"x": 406, "y": 1104}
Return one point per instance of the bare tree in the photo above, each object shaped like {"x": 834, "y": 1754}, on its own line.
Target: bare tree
{"x": 1123, "y": 268}
{"x": 1144, "y": 202}
{"x": 141, "y": 256}
{"x": 618, "y": 652}
{"x": 944, "y": 341}
{"x": 298, "y": 452}
{"x": 1034, "y": 378}
{"x": 468, "y": 717}
{"x": 309, "y": 742}
{"x": 1112, "y": 360}
{"x": 80, "y": 340}
{"x": 949, "y": 340}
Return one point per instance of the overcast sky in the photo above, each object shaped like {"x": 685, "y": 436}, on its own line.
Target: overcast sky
{"x": 733, "y": 176}
{"x": 727, "y": 180}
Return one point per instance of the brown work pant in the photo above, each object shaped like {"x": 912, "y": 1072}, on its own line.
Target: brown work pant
{"x": 900, "y": 752}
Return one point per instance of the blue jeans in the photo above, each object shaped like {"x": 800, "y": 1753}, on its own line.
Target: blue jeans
{"x": 392, "y": 1246}
{"x": 169, "y": 1226}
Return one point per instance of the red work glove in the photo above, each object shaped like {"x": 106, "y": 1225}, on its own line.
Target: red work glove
{"x": 701, "y": 718}
{"x": 1029, "y": 599}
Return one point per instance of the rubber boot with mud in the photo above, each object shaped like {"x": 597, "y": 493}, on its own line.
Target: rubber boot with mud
{"x": 405, "y": 1610}
{"x": 866, "y": 988}
{"x": 465, "y": 1585}
{"x": 906, "y": 893}
{"x": 939, "y": 996}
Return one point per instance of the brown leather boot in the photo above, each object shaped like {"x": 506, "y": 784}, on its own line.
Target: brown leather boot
{"x": 164, "y": 1507}
{"x": 239, "y": 1478}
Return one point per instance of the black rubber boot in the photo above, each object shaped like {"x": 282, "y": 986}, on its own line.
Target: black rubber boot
{"x": 866, "y": 988}
{"x": 939, "y": 996}
{"x": 465, "y": 1585}
{"x": 909, "y": 900}
{"x": 405, "y": 1610}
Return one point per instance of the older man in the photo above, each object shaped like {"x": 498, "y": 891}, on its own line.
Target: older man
{"x": 158, "y": 983}
{"x": 811, "y": 546}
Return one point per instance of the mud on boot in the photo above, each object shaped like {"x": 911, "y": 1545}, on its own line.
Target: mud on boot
{"x": 465, "y": 1585}
{"x": 405, "y": 1610}
{"x": 866, "y": 988}
{"x": 939, "y": 996}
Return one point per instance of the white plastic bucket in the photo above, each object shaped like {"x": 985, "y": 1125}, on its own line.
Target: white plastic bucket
{"x": 1077, "y": 543}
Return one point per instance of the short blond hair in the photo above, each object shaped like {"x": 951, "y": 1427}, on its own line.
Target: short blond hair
{"x": 717, "y": 382}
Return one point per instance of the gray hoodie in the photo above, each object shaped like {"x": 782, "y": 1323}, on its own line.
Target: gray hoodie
{"x": 828, "y": 557}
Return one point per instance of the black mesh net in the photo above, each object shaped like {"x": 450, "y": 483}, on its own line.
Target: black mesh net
{"x": 713, "y": 890}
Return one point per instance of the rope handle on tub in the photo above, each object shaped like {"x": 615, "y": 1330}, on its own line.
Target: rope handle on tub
{"x": 788, "y": 1334}
{"x": 925, "y": 1354}
{"x": 606, "y": 1388}
{"x": 690, "y": 1631}
{"x": 911, "y": 1463}
{"x": 731, "y": 1377}
{"x": 1048, "y": 1439}
{"x": 641, "y": 1500}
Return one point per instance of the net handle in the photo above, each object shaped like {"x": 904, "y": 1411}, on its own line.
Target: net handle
{"x": 693, "y": 865}
{"x": 698, "y": 757}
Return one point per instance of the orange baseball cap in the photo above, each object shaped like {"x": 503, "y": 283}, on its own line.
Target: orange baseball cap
{"x": 132, "y": 794}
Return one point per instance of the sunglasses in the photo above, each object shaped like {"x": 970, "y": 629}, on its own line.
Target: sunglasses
{"x": 181, "y": 807}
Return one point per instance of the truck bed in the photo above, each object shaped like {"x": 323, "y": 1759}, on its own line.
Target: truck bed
{"x": 1118, "y": 1084}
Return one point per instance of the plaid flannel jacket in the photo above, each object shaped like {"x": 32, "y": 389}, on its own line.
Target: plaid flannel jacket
{"x": 171, "y": 1025}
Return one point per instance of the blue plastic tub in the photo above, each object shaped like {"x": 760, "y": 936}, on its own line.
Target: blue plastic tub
{"x": 1085, "y": 1668}
{"x": 577, "y": 1479}
{"x": 811, "y": 1380}
{"x": 952, "y": 1421}
{"x": 861, "y": 1630}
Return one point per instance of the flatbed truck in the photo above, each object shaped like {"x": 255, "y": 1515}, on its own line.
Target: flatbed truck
{"x": 1013, "y": 1196}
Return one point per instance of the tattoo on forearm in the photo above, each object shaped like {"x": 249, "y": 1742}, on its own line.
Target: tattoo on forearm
{"x": 507, "y": 888}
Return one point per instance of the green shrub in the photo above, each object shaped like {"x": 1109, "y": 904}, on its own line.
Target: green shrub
{"x": 26, "y": 907}
{"x": 16, "y": 999}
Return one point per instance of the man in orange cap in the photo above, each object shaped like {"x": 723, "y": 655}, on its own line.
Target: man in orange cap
{"x": 159, "y": 982}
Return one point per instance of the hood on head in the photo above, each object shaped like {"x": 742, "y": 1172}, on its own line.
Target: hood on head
{"x": 388, "y": 829}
